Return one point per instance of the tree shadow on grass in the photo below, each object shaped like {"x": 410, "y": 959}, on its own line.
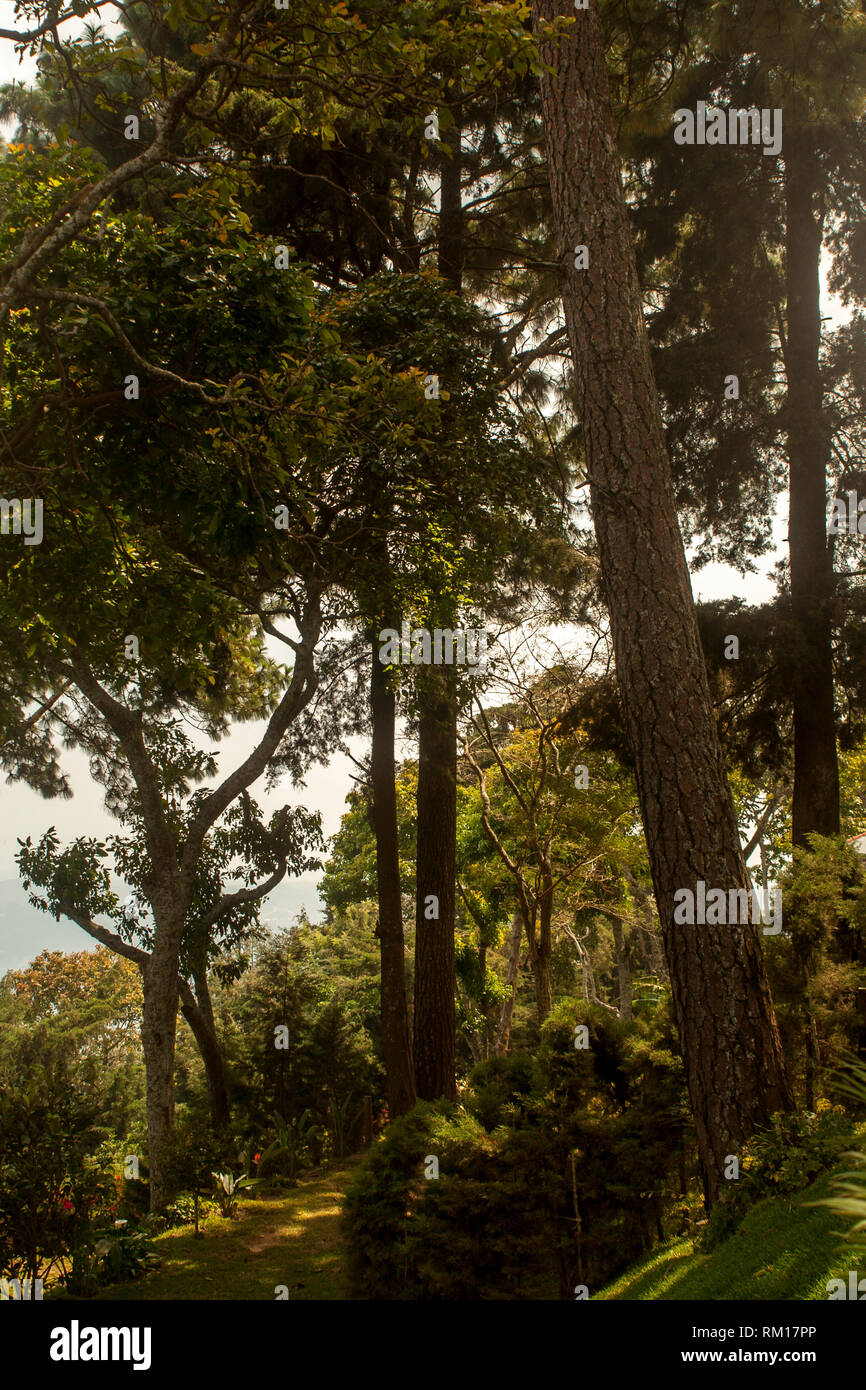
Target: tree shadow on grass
{"x": 291, "y": 1242}
{"x": 786, "y": 1249}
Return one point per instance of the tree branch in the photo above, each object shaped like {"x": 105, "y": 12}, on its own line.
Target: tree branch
{"x": 300, "y": 691}
{"x": 244, "y": 895}
{"x": 42, "y": 245}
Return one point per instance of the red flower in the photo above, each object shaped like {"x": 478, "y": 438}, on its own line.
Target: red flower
{"x": 256, "y": 1158}
{"x": 67, "y": 1205}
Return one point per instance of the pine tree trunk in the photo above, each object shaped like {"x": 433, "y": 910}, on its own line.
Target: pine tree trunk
{"x": 435, "y": 1029}
{"x": 450, "y": 248}
{"x": 815, "y": 806}
{"x": 396, "y": 1049}
{"x": 727, "y": 1027}
{"x": 541, "y": 955}
{"x": 435, "y": 1035}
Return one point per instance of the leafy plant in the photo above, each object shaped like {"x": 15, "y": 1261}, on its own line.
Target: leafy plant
{"x": 227, "y": 1188}
{"x": 849, "y": 1189}
{"x": 116, "y": 1257}
{"x": 291, "y": 1145}
{"x": 342, "y": 1124}
{"x": 786, "y": 1156}
{"x": 181, "y": 1212}
{"x": 126, "y": 1255}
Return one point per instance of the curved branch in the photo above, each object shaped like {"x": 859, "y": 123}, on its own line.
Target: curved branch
{"x": 107, "y": 938}
{"x": 244, "y": 895}
{"x": 298, "y": 695}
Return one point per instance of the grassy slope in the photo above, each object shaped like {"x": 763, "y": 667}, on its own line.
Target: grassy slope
{"x": 784, "y": 1249}
{"x": 291, "y": 1239}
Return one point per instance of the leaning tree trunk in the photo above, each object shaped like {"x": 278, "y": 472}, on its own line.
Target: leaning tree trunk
{"x": 727, "y": 1027}
{"x": 815, "y": 807}
{"x": 435, "y": 1027}
{"x": 396, "y": 1046}
{"x": 198, "y": 1013}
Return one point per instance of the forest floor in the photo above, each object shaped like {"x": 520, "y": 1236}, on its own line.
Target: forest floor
{"x": 290, "y": 1239}
{"x": 785, "y": 1249}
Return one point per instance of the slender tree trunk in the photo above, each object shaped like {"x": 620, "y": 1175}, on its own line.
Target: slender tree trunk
{"x": 650, "y": 950}
{"x": 435, "y": 1038}
{"x": 200, "y": 1017}
{"x": 623, "y": 970}
{"x": 450, "y": 248}
{"x": 396, "y": 1048}
{"x": 503, "y": 1034}
{"x": 811, "y": 1052}
{"x": 728, "y": 1032}
{"x": 815, "y": 806}
{"x": 543, "y": 950}
{"x": 435, "y": 1026}
{"x": 810, "y": 1033}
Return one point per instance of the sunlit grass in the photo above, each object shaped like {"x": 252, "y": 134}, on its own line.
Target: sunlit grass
{"x": 290, "y": 1239}
{"x": 785, "y": 1249}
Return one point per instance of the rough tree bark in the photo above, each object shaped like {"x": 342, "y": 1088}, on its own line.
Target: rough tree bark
{"x": 396, "y": 1048}
{"x": 435, "y": 1027}
{"x": 727, "y": 1027}
{"x": 815, "y": 807}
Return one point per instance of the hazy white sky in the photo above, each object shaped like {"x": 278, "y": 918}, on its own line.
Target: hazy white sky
{"x": 25, "y": 813}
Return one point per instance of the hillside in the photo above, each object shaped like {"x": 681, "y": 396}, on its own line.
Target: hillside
{"x": 785, "y": 1249}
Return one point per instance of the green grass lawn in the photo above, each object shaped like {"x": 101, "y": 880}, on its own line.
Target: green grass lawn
{"x": 291, "y": 1239}
{"x": 785, "y": 1249}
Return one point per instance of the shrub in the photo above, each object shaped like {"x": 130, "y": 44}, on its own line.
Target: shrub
{"x": 117, "y": 1256}
{"x": 227, "y": 1187}
{"x": 467, "y": 1234}
{"x": 181, "y": 1212}
{"x": 500, "y": 1089}
{"x": 849, "y": 1190}
{"x": 786, "y": 1156}
{"x": 195, "y": 1152}
{"x": 54, "y": 1179}
{"x": 558, "y": 1171}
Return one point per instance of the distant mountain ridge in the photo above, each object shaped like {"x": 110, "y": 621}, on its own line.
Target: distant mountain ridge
{"x": 25, "y": 931}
